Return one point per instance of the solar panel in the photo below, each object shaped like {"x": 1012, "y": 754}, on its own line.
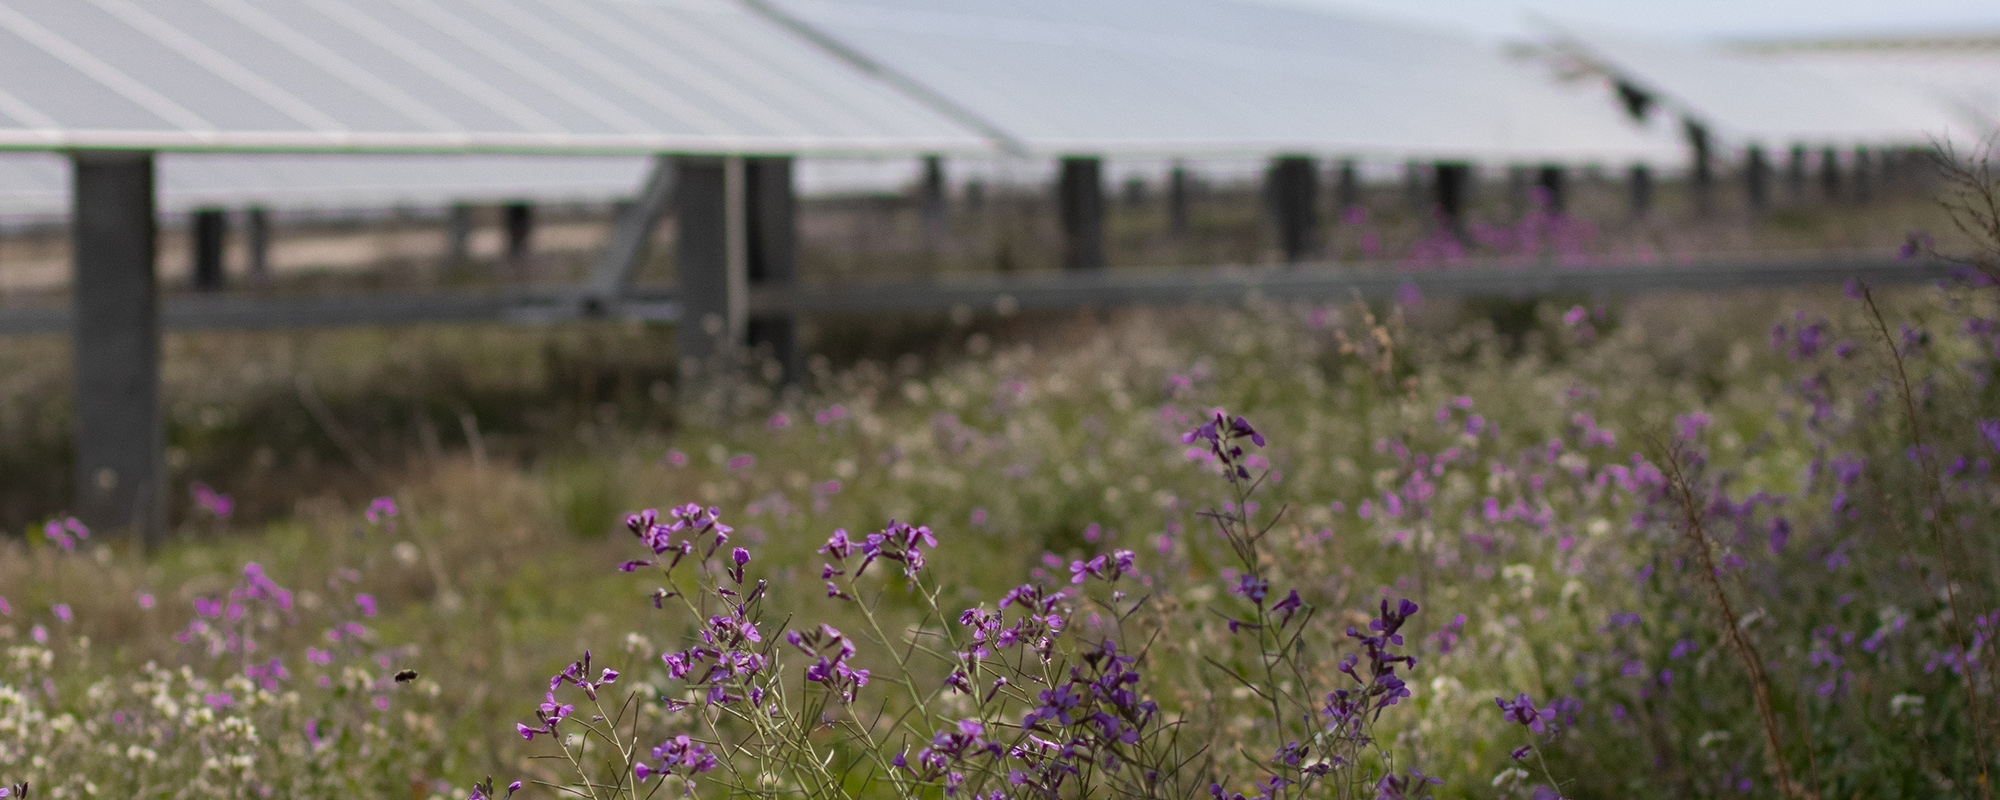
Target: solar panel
{"x": 575, "y": 76}
{"x": 1221, "y": 77}
{"x": 1750, "y": 99}
{"x": 1965, "y": 82}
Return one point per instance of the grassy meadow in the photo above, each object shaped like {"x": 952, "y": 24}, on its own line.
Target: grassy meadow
{"x": 1695, "y": 546}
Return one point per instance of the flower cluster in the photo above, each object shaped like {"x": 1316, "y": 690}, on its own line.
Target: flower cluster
{"x": 65, "y": 533}
{"x": 947, "y": 755}
{"x": 831, "y": 651}
{"x": 1036, "y": 626}
{"x": 686, "y": 528}
{"x": 679, "y": 755}
{"x": 1223, "y": 434}
{"x": 1097, "y": 712}
{"x": 1349, "y": 712}
{"x": 1107, "y": 568}
{"x": 897, "y": 542}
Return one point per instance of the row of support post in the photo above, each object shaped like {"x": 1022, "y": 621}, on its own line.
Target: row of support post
{"x": 208, "y": 237}
{"x": 738, "y": 230}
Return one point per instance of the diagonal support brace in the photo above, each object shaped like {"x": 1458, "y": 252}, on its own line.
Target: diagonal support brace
{"x": 631, "y": 239}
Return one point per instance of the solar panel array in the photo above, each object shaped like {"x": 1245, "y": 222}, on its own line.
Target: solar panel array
{"x": 570, "y": 76}
{"x": 1964, "y": 81}
{"x": 1183, "y": 77}
{"x": 1750, "y": 99}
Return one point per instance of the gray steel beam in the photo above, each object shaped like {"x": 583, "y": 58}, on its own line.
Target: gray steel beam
{"x": 1080, "y": 204}
{"x": 1178, "y": 199}
{"x": 1863, "y": 189}
{"x": 931, "y": 201}
{"x": 209, "y": 237}
{"x": 772, "y": 254}
{"x": 458, "y": 234}
{"x": 1042, "y": 290}
{"x": 518, "y": 220}
{"x": 1701, "y": 179}
{"x": 713, "y": 273}
{"x": 1553, "y": 180}
{"x": 1639, "y": 190}
{"x": 1317, "y": 283}
{"x": 120, "y": 440}
{"x": 1293, "y": 187}
{"x": 1756, "y": 178}
{"x": 1795, "y": 175}
{"x": 1452, "y": 184}
{"x": 631, "y": 239}
{"x": 1346, "y": 187}
{"x": 257, "y": 235}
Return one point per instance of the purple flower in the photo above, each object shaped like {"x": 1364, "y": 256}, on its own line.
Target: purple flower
{"x": 383, "y": 510}
{"x": 1522, "y": 710}
{"x": 367, "y": 604}
{"x": 1287, "y": 607}
{"x": 212, "y": 501}
{"x": 1989, "y": 429}
{"x": 838, "y": 545}
{"x": 1252, "y": 587}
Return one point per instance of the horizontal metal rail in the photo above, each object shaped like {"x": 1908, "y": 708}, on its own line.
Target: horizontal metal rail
{"x": 1318, "y": 283}
{"x": 1007, "y": 294}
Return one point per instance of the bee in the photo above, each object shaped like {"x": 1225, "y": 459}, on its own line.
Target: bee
{"x": 406, "y": 676}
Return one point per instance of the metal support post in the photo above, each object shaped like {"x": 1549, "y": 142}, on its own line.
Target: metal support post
{"x": 1177, "y": 200}
{"x": 1639, "y": 185}
{"x": 1756, "y": 179}
{"x": 1453, "y": 184}
{"x": 1863, "y": 183}
{"x": 1347, "y": 187}
{"x": 773, "y": 255}
{"x": 208, "y": 231}
{"x": 1414, "y": 194}
{"x": 257, "y": 235}
{"x": 519, "y": 222}
{"x": 1134, "y": 193}
{"x": 1795, "y": 175}
{"x": 975, "y": 197}
{"x": 120, "y": 439}
{"x": 712, "y": 261}
{"x": 631, "y": 239}
{"x": 1292, "y": 184}
{"x": 1080, "y": 199}
{"x": 1553, "y": 181}
{"x": 458, "y": 234}
{"x": 931, "y": 200}
{"x": 1701, "y": 178}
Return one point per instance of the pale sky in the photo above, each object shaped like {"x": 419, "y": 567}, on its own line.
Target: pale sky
{"x": 1697, "y": 19}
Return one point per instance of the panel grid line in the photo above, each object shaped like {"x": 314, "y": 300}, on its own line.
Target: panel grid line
{"x": 104, "y": 73}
